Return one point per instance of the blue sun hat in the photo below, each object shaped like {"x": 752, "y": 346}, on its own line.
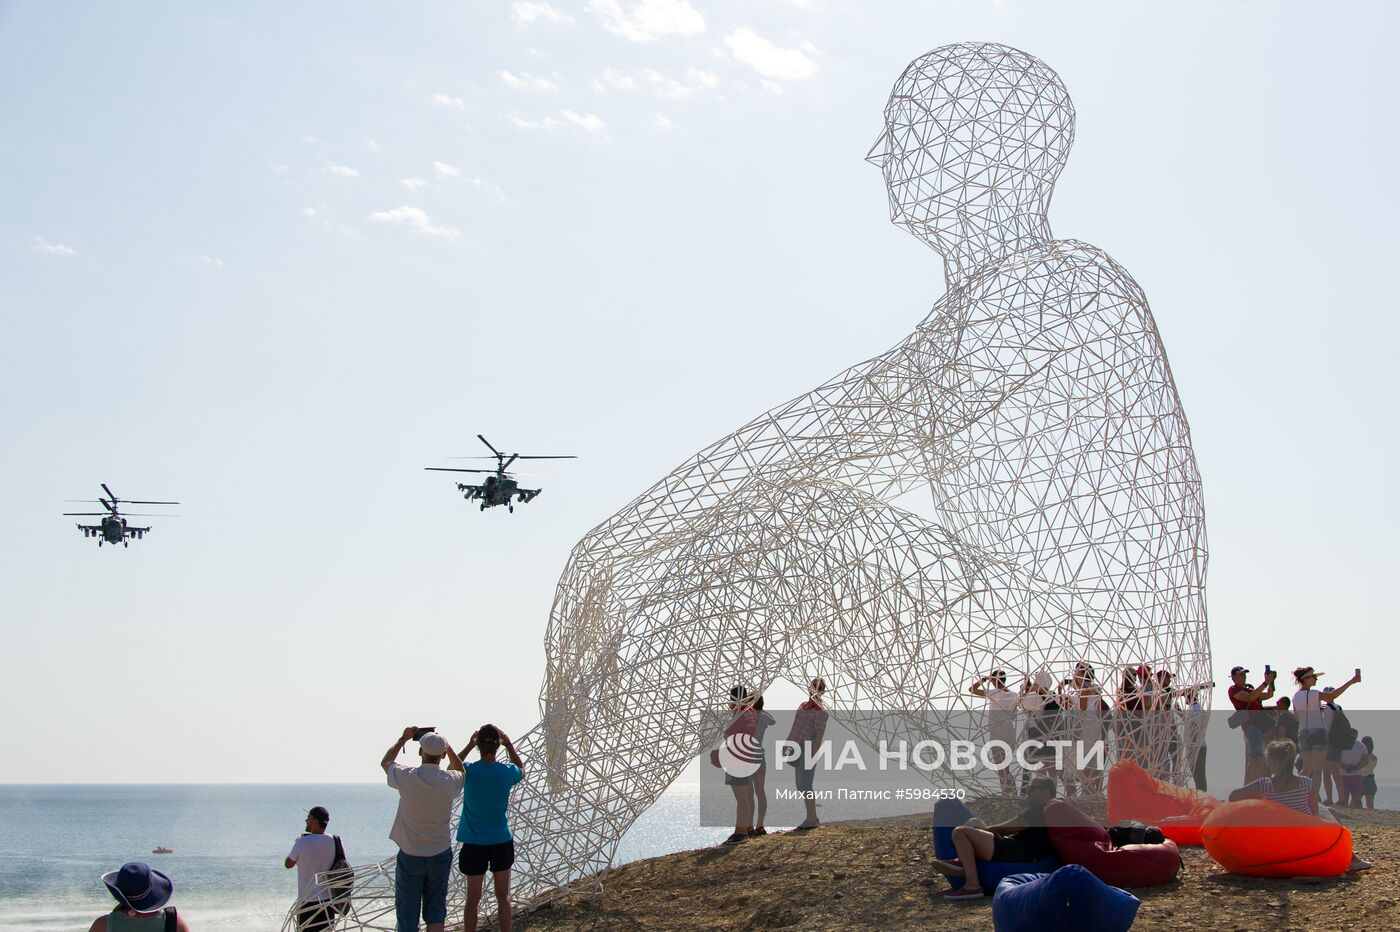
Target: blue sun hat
{"x": 139, "y": 886}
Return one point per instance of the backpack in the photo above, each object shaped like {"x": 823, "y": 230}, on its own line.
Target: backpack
{"x": 1341, "y": 736}
{"x": 338, "y": 880}
{"x": 1132, "y": 832}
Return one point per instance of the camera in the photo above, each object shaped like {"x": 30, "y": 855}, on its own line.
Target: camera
{"x": 418, "y": 735}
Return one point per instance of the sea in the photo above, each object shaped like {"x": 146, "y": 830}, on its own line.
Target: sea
{"x": 228, "y": 844}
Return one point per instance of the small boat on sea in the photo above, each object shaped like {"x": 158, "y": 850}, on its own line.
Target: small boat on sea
{"x": 161, "y": 849}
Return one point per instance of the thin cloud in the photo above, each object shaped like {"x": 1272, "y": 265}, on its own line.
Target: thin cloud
{"x": 415, "y": 219}
{"x": 214, "y": 261}
{"x": 443, "y": 100}
{"x": 614, "y": 80}
{"x": 527, "y": 82}
{"x": 341, "y": 171}
{"x": 492, "y": 189}
{"x": 648, "y": 20}
{"x": 413, "y": 184}
{"x": 588, "y": 122}
{"x": 445, "y": 170}
{"x": 771, "y": 61}
{"x": 308, "y": 211}
{"x": 663, "y": 122}
{"x": 585, "y": 121}
{"x": 53, "y": 249}
{"x": 671, "y": 89}
{"x": 525, "y": 12}
{"x": 694, "y": 82}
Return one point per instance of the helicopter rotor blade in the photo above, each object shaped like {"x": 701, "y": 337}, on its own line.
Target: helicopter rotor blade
{"x": 498, "y": 453}
{"x": 450, "y": 469}
{"x": 85, "y": 514}
{"x": 519, "y": 457}
{"x": 110, "y": 494}
{"x": 513, "y": 458}
{"x": 145, "y": 514}
{"x": 110, "y": 506}
{"x": 134, "y": 501}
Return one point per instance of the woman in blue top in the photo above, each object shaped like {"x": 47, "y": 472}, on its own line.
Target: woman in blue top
{"x": 483, "y": 828}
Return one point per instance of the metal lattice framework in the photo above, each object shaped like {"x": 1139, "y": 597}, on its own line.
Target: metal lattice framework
{"x": 1013, "y": 486}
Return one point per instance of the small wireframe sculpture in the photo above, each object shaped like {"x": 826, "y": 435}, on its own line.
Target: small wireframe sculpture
{"x": 1032, "y": 411}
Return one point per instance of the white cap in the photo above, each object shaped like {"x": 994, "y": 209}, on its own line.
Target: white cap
{"x": 1043, "y": 679}
{"x": 433, "y": 744}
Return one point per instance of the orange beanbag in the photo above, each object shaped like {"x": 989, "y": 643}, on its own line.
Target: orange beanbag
{"x": 1133, "y": 793}
{"x": 1184, "y": 829}
{"x": 1259, "y": 838}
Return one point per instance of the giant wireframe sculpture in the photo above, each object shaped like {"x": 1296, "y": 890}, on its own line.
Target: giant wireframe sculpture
{"x": 1032, "y": 412}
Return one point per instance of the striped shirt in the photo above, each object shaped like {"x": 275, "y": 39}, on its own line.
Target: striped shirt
{"x": 1299, "y": 798}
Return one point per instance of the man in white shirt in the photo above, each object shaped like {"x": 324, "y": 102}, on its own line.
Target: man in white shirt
{"x": 1001, "y": 724}
{"x": 312, "y": 854}
{"x": 423, "y": 828}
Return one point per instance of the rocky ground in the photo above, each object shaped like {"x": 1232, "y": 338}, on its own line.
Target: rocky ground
{"x": 876, "y": 875}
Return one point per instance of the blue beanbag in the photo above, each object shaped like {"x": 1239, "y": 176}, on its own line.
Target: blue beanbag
{"x": 1070, "y": 900}
{"x": 948, "y": 814}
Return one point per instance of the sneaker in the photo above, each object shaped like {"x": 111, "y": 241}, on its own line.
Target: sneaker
{"x": 758, "y": 831}
{"x": 958, "y": 896}
{"x": 734, "y": 839}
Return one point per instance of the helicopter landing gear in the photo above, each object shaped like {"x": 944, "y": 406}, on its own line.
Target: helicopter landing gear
{"x": 483, "y": 506}
{"x": 510, "y": 508}
{"x": 126, "y": 543}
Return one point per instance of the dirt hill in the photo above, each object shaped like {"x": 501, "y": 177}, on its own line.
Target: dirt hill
{"x": 876, "y": 875}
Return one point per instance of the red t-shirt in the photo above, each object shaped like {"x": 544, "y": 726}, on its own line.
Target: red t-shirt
{"x": 1256, "y": 706}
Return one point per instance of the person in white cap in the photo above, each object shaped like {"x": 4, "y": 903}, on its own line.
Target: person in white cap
{"x": 423, "y": 828}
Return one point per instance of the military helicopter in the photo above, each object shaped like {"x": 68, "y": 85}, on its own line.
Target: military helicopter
{"x": 499, "y": 487}
{"x": 113, "y": 529}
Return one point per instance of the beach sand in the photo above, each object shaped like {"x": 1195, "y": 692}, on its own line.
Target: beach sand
{"x": 876, "y": 875}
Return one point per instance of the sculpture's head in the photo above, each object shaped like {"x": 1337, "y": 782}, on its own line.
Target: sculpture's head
{"x": 975, "y": 135}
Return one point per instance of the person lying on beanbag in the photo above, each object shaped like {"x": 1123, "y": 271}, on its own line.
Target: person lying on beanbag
{"x": 1024, "y": 840}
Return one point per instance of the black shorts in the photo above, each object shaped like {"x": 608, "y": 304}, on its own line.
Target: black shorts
{"x": 1011, "y": 850}
{"x": 475, "y": 860}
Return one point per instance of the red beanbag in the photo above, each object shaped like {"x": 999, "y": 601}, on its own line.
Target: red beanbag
{"x": 1259, "y": 838}
{"x": 1078, "y": 839}
{"x": 1133, "y": 793}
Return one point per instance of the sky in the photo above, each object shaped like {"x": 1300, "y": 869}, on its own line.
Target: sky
{"x": 270, "y": 260}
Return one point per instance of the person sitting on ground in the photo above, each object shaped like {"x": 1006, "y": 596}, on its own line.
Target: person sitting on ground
{"x": 484, "y": 830}
{"x": 1286, "y": 788}
{"x": 141, "y": 893}
{"x": 1022, "y": 840}
{"x": 313, "y": 853}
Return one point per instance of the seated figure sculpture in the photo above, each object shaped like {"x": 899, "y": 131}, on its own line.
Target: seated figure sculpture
{"x": 1034, "y": 411}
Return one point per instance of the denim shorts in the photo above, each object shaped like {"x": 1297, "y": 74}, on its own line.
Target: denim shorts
{"x": 420, "y": 885}
{"x": 1312, "y": 739}
{"x": 1253, "y": 742}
